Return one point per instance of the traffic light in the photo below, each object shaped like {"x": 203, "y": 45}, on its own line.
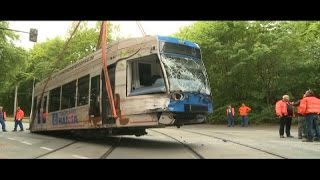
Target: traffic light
{"x": 33, "y": 35}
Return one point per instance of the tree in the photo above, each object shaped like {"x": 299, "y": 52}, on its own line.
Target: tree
{"x": 21, "y": 66}
{"x": 12, "y": 60}
{"x": 257, "y": 62}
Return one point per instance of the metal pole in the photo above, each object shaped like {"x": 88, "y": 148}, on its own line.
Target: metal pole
{"x": 14, "y": 30}
{"x": 32, "y": 99}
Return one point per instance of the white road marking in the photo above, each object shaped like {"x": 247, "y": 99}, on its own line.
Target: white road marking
{"x": 81, "y": 157}
{"x": 12, "y": 139}
{"x": 25, "y": 142}
{"x": 45, "y": 148}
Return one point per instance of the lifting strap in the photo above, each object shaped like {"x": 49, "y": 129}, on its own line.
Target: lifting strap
{"x": 103, "y": 38}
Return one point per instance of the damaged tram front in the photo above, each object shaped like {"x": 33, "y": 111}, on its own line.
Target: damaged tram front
{"x": 156, "y": 81}
{"x": 175, "y": 80}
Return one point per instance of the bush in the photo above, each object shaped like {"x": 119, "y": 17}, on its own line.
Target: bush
{"x": 218, "y": 116}
{"x": 267, "y": 115}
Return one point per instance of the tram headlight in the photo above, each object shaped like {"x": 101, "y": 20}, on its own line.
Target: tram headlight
{"x": 178, "y": 96}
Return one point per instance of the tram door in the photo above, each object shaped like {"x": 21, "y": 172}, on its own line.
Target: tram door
{"x": 41, "y": 113}
{"x": 95, "y": 98}
{"x": 106, "y": 108}
{"x": 44, "y": 112}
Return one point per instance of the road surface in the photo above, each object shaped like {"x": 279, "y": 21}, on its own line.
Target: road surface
{"x": 188, "y": 142}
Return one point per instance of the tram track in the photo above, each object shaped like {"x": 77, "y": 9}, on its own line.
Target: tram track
{"x": 114, "y": 145}
{"x": 194, "y": 152}
{"x": 110, "y": 149}
{"x": 57, "y": 149}
{"x": 238, "y": 143}
{"x": 188, "y": 142}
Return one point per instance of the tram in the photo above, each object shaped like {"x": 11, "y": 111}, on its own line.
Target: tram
{"x": 156, "y": 81}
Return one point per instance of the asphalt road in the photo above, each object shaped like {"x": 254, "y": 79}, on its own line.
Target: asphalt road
{"x": 188, "y": 142}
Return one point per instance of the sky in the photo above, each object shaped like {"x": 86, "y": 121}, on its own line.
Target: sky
{"x": 51, "y": 29}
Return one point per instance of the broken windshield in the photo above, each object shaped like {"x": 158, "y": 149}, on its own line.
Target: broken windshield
{"x": 185, "y": 74}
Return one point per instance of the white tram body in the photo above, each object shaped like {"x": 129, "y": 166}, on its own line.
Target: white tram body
{"x": 156, "y": 81}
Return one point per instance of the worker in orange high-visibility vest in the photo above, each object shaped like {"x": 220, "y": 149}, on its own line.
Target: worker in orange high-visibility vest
{"x": 244, "y": 110}
{"x": 18, "y": 119}
{"x": 230, "y": 116}
{"x": 3, "y": 117}
{"x": 310, "y": 108}
{"x": 284, "y": 110}
{"x": 301, "y": 122}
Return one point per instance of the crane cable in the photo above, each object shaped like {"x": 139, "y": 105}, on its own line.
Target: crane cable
{"x": 141, "y": 28}
{"x": 53, "y": 69}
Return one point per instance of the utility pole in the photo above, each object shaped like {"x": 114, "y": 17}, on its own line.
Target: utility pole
{"x": 32, "y": 99}
{"x": 15, "y": 100}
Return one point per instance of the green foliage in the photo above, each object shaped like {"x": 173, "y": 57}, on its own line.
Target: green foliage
{"x": 256, "y": 62}
{"x": 19, "y": 67}
{"x": 251, "y": 62}
{"x": 13, "y": 61}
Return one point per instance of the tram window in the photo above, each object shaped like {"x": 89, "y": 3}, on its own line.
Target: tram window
{"x": 34, "y": 109}
{"x": 68, "y": 95}
{"x": 38, "y": 111}
{"x": 83, "y": 91}
{"x": 167, "y": 47}
{"x": 112, "y": 75}
{"x": 95, "y": 96}
{"x": 144, "y": 74}
{"x": 44, "y": 112}
{"x": 54, "y": 99}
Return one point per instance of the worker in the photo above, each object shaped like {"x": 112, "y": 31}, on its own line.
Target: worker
{"x": 244, "y": 110}
{"x": 310, "y": 108}
{"x": 284, "y": 110}
{"x": 230, "y": 116}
